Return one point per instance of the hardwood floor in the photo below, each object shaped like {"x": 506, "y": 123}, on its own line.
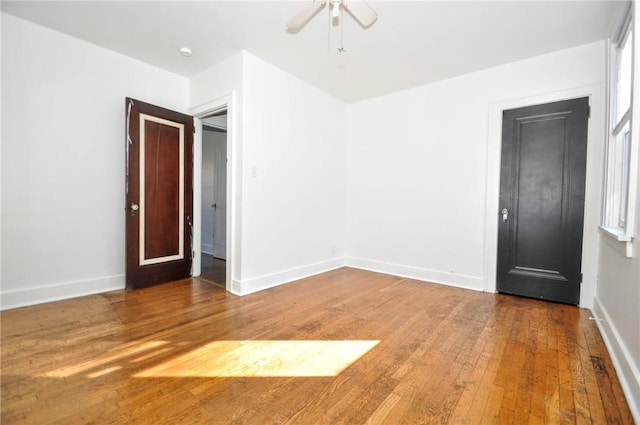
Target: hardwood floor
{"x": 345, "y": 347}
{"x": 213, "y": 270}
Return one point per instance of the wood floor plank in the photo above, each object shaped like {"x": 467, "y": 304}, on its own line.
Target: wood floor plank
{"x": 566, "y": 403}
{"x": 190, "y": 353}
{"x": 596, "y": 406}
{"x": 609, "y": 390}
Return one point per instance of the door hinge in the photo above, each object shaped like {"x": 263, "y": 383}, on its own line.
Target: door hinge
{"x": 589, "y": 111}
{"x": 581, "y": 277}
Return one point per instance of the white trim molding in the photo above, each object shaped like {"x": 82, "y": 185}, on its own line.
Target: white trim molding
{"x": 60, "y": 291}
{"x": 144, "y": 260}
{"x": 620, "y": 235}
{"x": 418, "y": 273}
{"x": 627, "y": 371}
{"x": 618, "y": 240}
{"x": 255, "y": 284}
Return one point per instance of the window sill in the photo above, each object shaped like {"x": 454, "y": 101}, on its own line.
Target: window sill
{"x": 619, "y": 240}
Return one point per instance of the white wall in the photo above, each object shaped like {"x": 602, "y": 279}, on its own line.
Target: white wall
{"x": 208, "y": 223}
{"x": 417, "y": 178}
{"x": 294, "y": 156}
{"x": 618, "y": 296}
{"x": 289, "y": 172}
{"x": 1, "y": 164}
{"x": 218, "y": 81}
{"x": 617, "y": 303}
{"x": 63, "y": 157}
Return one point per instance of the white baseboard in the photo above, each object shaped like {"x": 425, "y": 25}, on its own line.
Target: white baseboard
{"x": 206, "y": 249}
{"x": 236, "y": 287}
{"x": 449, "y": 279}
{"x": 60, "y": 291}
{"x": 626, "y": 369}
{"x": 260, "y": 283}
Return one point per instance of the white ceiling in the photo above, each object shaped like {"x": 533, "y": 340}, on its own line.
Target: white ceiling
{"x": 412, "y": 42}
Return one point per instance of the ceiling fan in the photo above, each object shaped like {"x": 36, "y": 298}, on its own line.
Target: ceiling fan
{"x": 358, "y": 9}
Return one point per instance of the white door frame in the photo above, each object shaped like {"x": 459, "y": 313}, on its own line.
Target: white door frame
{"x": 199, "y": 112}
{"x": 593, "y": 183}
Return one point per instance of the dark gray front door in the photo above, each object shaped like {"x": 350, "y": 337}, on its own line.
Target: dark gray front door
{"x": 542, "y": 181}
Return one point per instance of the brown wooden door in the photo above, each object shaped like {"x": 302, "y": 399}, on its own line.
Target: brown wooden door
{"x": 542, "y": 189}
{"x": 159, "y": 194}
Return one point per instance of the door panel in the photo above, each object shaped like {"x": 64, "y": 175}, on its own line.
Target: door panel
{"x": 542, "y": 193}
{"x": 159, "y": 194}
{"x": 539, "y": 212}
{"x": 220, "y": 196}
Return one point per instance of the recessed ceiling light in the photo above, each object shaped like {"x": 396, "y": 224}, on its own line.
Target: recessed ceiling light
{"x": 186, "y": 52}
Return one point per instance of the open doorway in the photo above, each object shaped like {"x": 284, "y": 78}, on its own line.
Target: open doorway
{"x": 213, "y": 230}
{"x": 224, "y": 106}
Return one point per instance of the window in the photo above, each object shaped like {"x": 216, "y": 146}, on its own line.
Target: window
{"x": 619, "y": 186}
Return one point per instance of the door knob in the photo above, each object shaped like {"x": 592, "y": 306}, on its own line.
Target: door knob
{"x": 134, "y": 207}
{"x": 505, "y": 214}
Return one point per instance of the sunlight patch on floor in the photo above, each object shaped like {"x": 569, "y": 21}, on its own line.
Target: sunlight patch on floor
{"x": 122, "y": 352}
{"x": 263, "y": 359}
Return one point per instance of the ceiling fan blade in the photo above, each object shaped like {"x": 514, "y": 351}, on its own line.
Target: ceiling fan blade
{"x": 296, "y": 23}
{"x": 361, "y": 12}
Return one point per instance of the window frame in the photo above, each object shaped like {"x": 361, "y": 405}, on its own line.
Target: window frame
{"x": 618, "y": 216}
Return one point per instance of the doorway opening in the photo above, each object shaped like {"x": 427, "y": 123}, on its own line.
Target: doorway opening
{"x": 213, "y": 235}
{"x": 217, "y": 119}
